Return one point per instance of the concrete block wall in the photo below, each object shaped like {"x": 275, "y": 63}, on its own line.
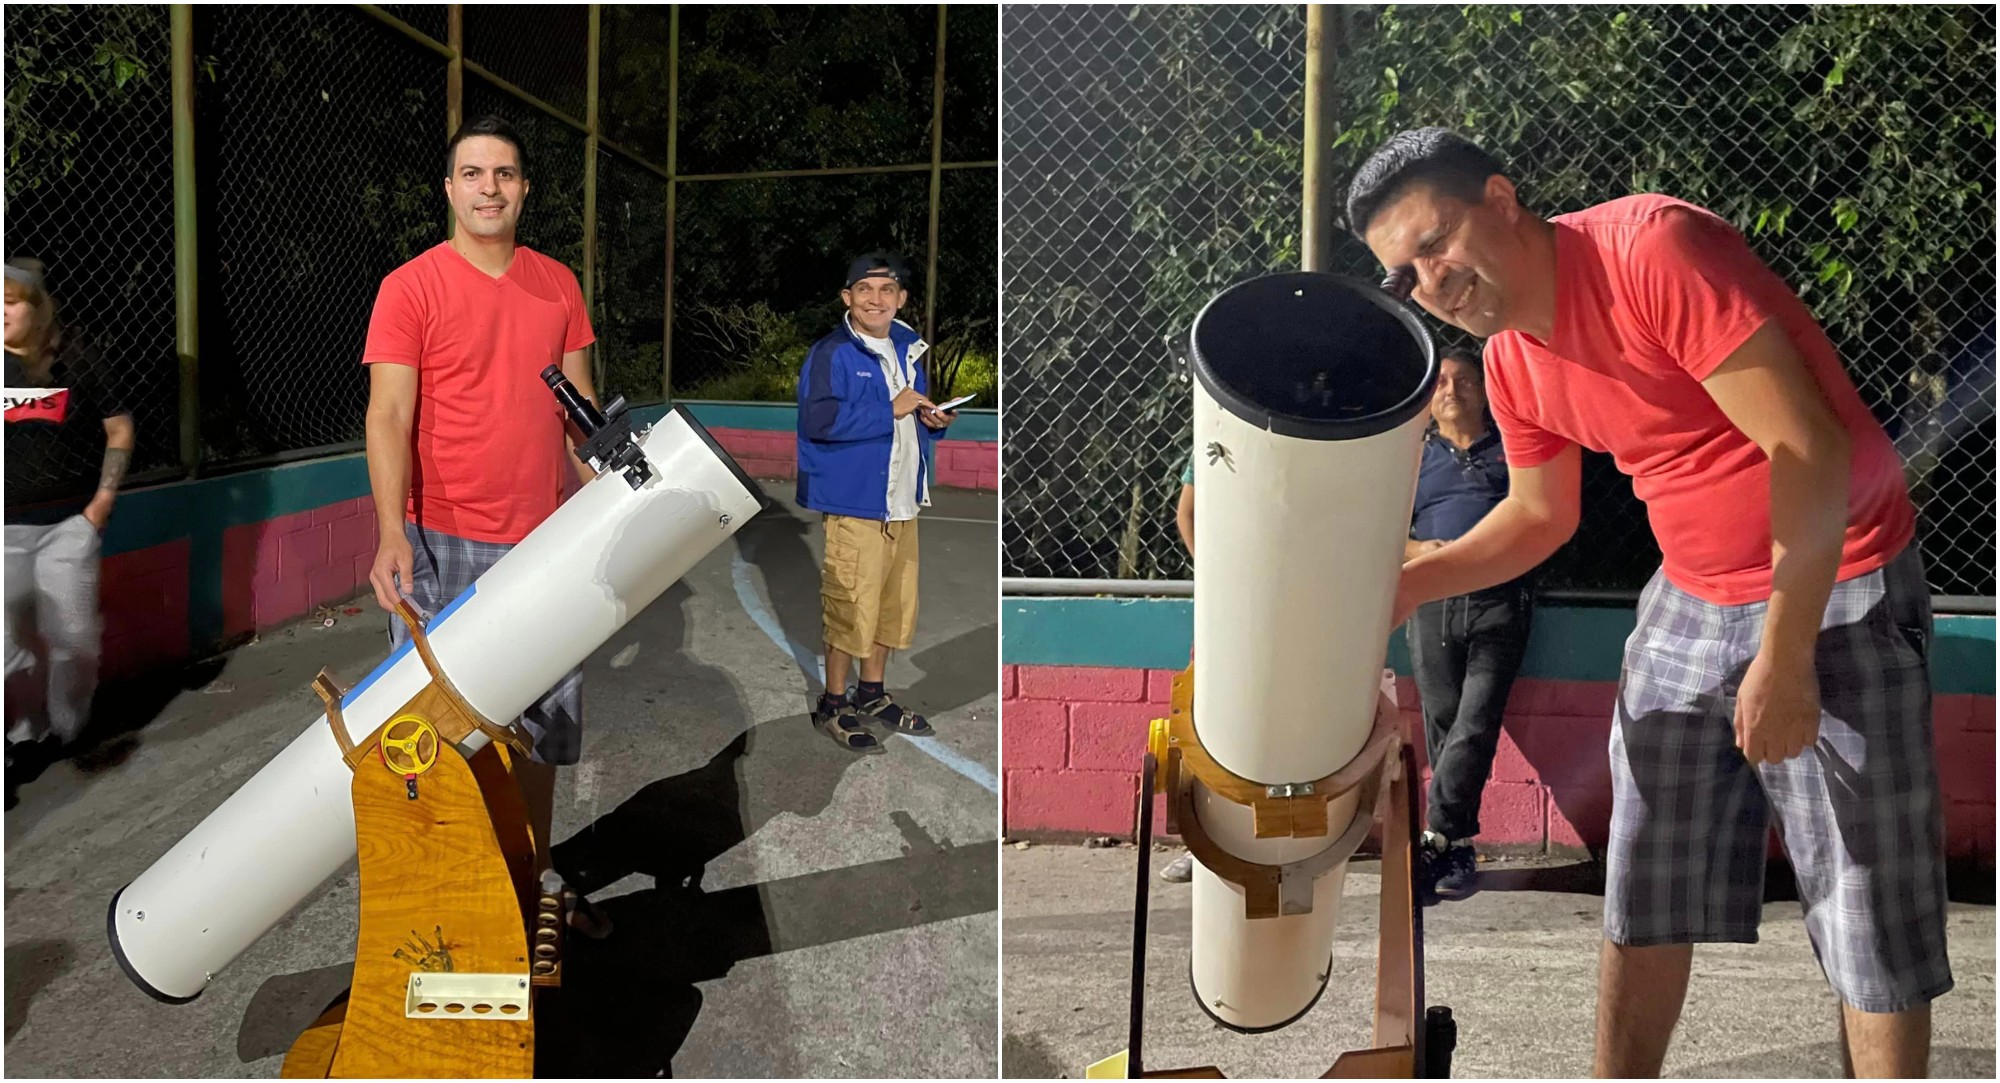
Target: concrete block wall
{"x": 279, "y": 569}
{"x": 145, "y": 608}
{"x": 1072, "y": 738}
{"x": 766, "y": 453}
{"x": 192, "y": 566}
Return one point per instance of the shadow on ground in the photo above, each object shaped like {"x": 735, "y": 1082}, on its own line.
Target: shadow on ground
{"x": 630, "y": 1001}
{"x": 120, "y": 710}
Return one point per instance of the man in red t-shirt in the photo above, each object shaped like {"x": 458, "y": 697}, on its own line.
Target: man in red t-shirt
{"x": 1779, "y": 663}
{"x": 466, "y": 446}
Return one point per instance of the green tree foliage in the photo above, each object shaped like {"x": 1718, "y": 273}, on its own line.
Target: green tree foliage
{"x": 1159, "y": 146}
{"x": 1853, "y": 145}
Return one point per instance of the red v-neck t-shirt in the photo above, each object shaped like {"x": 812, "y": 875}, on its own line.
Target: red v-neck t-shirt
{"x": 488, "y": 434}
{"x": 1652, "y": 294}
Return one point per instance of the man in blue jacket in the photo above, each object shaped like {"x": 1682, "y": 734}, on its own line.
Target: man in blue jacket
{"x": 865, "y": 463}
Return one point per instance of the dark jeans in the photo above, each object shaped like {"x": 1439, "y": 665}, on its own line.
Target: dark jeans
{"x": 1466, "y": 651}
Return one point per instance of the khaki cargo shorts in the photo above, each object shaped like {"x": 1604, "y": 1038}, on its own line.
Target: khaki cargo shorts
{"x": 868, "y": 584}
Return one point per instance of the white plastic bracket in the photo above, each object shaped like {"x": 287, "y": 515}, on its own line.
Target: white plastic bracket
{"x": 442, "y": 995}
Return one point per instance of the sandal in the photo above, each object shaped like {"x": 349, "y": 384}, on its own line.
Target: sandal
{"x": 891, "y": 715}
{"x": 584, "y": 916}
{"x": 839, "y": 724}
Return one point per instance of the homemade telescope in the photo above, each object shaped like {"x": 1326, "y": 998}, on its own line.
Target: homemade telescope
{"x": 1309, "y": 411}
{"x": 460, "y": 922}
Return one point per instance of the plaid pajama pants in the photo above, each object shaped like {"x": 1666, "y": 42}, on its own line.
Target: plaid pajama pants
{"x": 443, "y": 567}
{"x": 1859, "y": 812}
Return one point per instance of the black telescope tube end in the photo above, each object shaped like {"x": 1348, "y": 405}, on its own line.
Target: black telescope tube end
{"x": 118, "y": 953}
{"x": 1226, "y": 1024}
{"x": 749, "y": 484}
{"x": 1314, "y": 356}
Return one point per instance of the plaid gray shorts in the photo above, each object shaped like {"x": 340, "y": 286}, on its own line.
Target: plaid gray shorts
{"x": 443, "y": 567}
{"x": 1858, "y": 813}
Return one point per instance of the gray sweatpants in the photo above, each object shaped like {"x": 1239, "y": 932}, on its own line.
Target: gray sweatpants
{"x": 53, "y": 630}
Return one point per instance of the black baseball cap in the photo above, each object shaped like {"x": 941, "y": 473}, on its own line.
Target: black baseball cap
{"x": 878, "y": 264}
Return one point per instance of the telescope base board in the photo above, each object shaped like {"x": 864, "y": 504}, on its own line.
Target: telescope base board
{"x": 446, "y": 886}
{"x": 1411, "y": 1048}
{"x": 118, "y": 953}
{"x": 311, "y": 1056}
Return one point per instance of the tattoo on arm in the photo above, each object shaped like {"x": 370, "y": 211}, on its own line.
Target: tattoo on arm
{"x": 116, "y": 459}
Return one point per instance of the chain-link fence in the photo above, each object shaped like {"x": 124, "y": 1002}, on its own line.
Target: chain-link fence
{"x": 90, "y": 193}
{"x": 1154, "y": 156}
{"x": 318, "y": 135}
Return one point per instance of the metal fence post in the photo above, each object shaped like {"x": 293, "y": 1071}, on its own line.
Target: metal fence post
{"x": 1316, "y": 227}
{"x": 590, "y": 193}
{"x": 673, "y": 171}
{"x": 937, "y": 174}
{"x": 187, "y": 338}
{"x": 454, "y": 89}
{"x": 454, "y": 72}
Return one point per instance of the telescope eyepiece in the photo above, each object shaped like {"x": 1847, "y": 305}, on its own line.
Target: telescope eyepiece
{"x": 588, "y": 419}
{"x": 1400, "y": 283}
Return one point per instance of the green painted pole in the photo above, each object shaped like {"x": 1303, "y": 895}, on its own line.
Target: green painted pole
{"x": 937, "y": 176}
{"x": 187, "y": 337}
{"x": 673, "y": 191}
{"x": 590, "y": 193}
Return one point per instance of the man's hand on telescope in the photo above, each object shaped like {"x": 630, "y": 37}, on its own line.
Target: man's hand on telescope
{"x": 1406, "y": 604}
{"x": 393, "y": 556}
{"x": 1414, "y": 549}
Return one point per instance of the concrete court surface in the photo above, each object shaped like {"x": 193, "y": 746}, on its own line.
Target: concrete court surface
{"x": 1517, "y": 964}
{"x": 782, "y": 907}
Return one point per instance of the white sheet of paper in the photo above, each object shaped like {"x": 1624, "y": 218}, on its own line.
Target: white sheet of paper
{"x": 945, "y": 407}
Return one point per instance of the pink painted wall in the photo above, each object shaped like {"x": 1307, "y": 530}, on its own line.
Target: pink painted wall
{"x": 144, "y": 600}
{"x": 763, "y": 453}
{"x": 278, "y": 570}
{"x": 1072, "y": 738}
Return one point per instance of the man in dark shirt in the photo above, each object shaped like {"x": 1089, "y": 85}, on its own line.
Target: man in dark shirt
{"x": 67, "y": 433}
{"x": 1465, "y": 650}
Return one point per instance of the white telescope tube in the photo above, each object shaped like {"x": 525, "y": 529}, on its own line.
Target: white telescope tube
{"x": 1309, "y": 415}
{"x": 556, "y": 597}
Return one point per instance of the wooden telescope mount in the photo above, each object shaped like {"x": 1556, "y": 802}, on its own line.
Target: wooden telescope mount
{"x": 457, "y": 937}
{"x": 1409, "y": 1042}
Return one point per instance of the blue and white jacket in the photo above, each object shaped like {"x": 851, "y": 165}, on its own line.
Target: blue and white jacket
{"x": 847, "y": 429}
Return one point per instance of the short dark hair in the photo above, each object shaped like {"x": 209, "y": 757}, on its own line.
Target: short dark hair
{"x": 1466, "y": 355}
{"x": 1442, "y": 158}
{"x": 486, "y": 125}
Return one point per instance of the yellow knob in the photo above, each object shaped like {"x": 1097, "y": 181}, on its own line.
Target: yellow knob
{"x": 1157, "y": 743}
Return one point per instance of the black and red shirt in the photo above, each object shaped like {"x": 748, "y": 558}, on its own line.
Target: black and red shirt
{"x": 55, "y": 435}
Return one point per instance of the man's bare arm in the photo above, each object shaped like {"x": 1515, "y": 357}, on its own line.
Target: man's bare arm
{"x": 1184, "y": 517}
{"x": 392, "y": 409}
{"x": 1540, "y": 513}
{"x": 576, "y": 366}
{"x": 1766, "y": 391}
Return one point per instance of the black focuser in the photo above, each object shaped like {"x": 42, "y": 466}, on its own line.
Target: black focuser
{"x": 1400, "y": 283}
{"x": 608, "y": 443}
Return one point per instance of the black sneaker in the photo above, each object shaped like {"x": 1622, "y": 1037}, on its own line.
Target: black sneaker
{"x": 1456, "y": 872}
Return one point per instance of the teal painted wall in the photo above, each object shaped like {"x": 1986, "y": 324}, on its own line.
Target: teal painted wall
{"x": 976, "y": 425}
{"x": 201, "y": 511}
{"x": 1573, "y": 643}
